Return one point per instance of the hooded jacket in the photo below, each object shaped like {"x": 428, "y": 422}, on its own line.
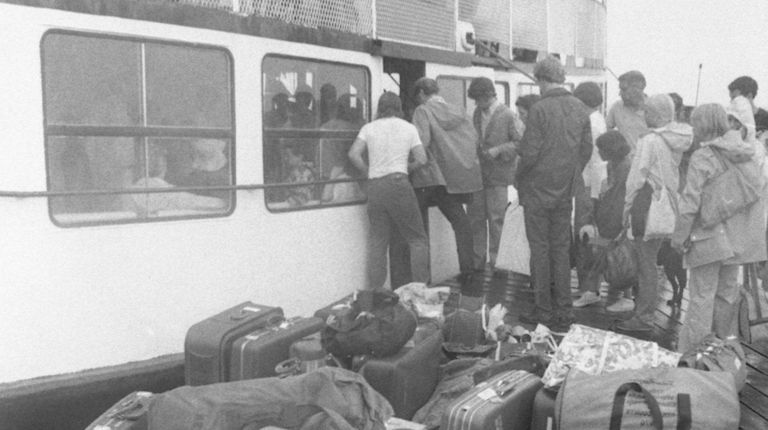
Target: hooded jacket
{"x": 739, "y": 239}
{"x": 450, "y": 140}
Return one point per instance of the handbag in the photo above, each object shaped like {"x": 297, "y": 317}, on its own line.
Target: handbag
{"x": 617, "y": 263}
{"x": 715, "y": 354}
{"x": 660, "y": 398}
{"x": 660, "y": 222}
{"x": 376, "y": 324}
{"x": 726, "y": 194}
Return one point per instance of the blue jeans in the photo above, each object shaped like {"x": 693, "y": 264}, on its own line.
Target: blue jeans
{"x": 549, "y": 236}
{"x": 392, "y": 206}
{"x": 452, "y": 207}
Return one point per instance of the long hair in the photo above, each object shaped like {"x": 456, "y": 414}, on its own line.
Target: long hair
{"x": 390, "y": 105}
{"x": 711, "y": 120}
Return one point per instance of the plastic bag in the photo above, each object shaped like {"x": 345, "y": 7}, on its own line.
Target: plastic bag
{"x": 514, "y": 251}
{"x": 660, "y": 223}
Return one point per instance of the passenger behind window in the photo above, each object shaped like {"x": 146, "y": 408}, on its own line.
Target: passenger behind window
{"x": 334, "y": 161}
{"x": 327, "y": 103}
{"x": 209, "y": 167}
{"x": 299, "y": 171}
{"x": 278, "y": 116}
{"x": 151, "y": 203}
{"x": 303, "y": 112}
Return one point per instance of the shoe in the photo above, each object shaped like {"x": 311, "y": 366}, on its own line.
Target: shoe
{"x": 586, "y": 299}
{"x": 633, "y": 324}
{"x": 621, "y": 305}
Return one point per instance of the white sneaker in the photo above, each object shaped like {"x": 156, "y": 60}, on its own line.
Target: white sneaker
{"x": 586, "y": 299}
{"x": 622, "y": 305}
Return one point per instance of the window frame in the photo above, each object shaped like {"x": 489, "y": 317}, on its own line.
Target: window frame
{"x": 138, "y": 131}
{"x": 313, "y": 133}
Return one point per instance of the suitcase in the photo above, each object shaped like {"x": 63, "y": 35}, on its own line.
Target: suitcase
{"x": 256, "y": 354}
{"x": 504, "y": 402}
{"x": 408, "y": 378}
{"x": 544, "y": 410}
{"x": 208, "y": 344}
{"x": 342, "y": 303}
{"x": 130, "y": 413}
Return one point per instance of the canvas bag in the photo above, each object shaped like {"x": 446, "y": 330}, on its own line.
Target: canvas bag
{"x": 514, "y": 251}
{"x": 683, "y": 399}
{"x": 726, "y": 194}
{"x": 715, "y": 354}
{"x": 660, "y": 223}
{"x": 596, "y": 352}
{"x": 381, "y": 331}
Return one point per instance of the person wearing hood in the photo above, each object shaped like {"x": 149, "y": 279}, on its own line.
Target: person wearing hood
{"x": 499, "y": 130}
{"x": 452, "y": 172}
{"x": 714, "y": 254}
{"x": 556, "y": 146}
{"x": 655, "y": 164}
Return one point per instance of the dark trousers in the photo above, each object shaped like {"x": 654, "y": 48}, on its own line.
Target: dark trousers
{"x": 549, "y": 236}
{"x": 451, "y": 206}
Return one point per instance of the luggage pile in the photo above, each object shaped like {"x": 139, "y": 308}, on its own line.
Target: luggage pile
{"x": 372, "y": 361}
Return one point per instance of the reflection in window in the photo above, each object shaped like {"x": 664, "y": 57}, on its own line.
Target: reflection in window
{"x": 312, "y": 112}
{"x": 123, "y": 115}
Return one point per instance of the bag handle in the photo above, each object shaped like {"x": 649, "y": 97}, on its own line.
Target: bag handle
{"x": 618, "y": 405}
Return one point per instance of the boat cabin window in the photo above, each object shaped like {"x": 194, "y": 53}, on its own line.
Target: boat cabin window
{"x": 312, "y": 111}
{"x": 454, "y": 90}
{"x": 130, "y": 115}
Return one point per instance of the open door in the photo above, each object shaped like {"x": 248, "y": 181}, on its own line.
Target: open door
{"x": 401, "y": 75}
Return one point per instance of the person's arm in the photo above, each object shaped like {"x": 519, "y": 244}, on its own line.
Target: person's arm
{"x": 637, "y": 176}
{"x": 585, "y": 146}
{"x": 421, "y": 122}
{"x": 356, "y": 155}
{"x": 419, "y": 157}
{"x": 532, "y": 142}
{"x": 514, "y": 135}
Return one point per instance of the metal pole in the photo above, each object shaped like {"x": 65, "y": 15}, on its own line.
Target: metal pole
{"x": 698, "y": 83}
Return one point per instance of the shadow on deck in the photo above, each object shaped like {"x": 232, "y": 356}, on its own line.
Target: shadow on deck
{"x": 519, "y": 299}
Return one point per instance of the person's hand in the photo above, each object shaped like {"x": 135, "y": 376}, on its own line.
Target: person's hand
{"x": 679, "y": 246}
{"x": 494, "y": 151}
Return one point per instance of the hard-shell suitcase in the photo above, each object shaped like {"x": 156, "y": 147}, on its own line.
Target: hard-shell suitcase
{"x": 256, "y": 354}
{"x": 408, "y": 378}
{"x": 208, "y": 344}
{"x": 503, "y": 402}
{"x": 130, "y": 413}
{"x": 544, "y": 410}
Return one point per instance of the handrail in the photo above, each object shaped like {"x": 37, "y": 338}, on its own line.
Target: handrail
{"x": 242, "y": 187}
{"x": 505, "y": 61}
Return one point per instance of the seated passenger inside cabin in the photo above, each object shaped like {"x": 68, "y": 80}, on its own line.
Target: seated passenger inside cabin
{"x": 152, "y": 203}
{"x": 209, "y": 167}
{"x": 298, "y": 171}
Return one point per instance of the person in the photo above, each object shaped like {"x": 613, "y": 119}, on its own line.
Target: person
{"x": 628, "y": 114}
{"x": 208, "y": 167}
{"x": 327, "y": 103}
{"x": 452, "y": 171}
{"x": 303, "y": 114}
{"x": 608, "y": 209}
{"x": 655, "y": 164}
{"x": 151, "y": 203}
{"x": 713, "y": 255}
{"x": 588, "y": 189}
{"x": 524, "y": 103}
{"x": 681, "y": 121}
{"x": 334, "y": 162}
{"x": 389, "y": 141}
{"x": 555, "y": 148}
{"x": 499, "y": 130}
{"x": 278, "y": 116}
{"x": 746, "y": 87}
{"x": 299, "y": 172}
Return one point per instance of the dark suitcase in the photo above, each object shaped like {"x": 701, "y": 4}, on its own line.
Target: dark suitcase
{"x": 408, "y": 378}
{"x": 504, "y": 402}
{"x": 544, "y": 410}
{"x": 208, "y": 344}
{"x": 256, "y": 354}
{"x": 130, "y": 413}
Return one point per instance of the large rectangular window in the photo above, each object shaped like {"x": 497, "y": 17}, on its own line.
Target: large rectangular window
{"x": 124, "y": 114}
{"x": 312, "y": 113}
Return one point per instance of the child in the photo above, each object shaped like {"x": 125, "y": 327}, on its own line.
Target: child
{"x": 613, "y": 148}
{"x": 299, "y": 172}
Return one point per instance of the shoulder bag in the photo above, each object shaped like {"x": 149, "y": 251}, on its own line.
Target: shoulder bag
{"x": 726, "y": 194}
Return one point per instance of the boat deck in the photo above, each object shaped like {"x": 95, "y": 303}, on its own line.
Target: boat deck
{"x": 754, "y": 396}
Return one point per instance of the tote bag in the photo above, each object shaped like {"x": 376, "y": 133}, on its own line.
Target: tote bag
{"x": 660, "y": 222}
{"x": 726, "y": 194}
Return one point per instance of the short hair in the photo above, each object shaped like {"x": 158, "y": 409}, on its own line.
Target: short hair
{"x": 745, "y": 84}
{"x": 659, "y": 110}
{"x": 427, "y": 85}
{"x": 589, "y": 93}
{"x": 549, "y": 69}
{"x": 633, "y": 77}
{"x": 390, "y": 105}
{"x": 711, "y": 119}
{"x": 613, "y": 145}
{"x": 481, "y": 87}
{"x": 527, "y": 101}
{"x": 677, "y": 100}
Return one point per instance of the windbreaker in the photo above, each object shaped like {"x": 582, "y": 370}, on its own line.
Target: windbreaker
{"x": 450, "y": 140}
{"x": 739, "y": 239}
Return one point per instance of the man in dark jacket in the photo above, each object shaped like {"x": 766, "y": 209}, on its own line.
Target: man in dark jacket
{"x": 556, "y": 146}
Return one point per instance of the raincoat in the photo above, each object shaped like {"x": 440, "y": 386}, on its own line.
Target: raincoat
{"x": 450, "y": 141}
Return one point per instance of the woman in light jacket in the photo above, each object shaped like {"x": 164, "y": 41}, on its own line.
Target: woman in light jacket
{"x": 713, "y": 254}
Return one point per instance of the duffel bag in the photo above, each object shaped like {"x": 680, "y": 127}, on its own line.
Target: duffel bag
{"x": 327, "y": 398}
{"x": 716, "y": 354}
{"x": 660, "y": 398}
